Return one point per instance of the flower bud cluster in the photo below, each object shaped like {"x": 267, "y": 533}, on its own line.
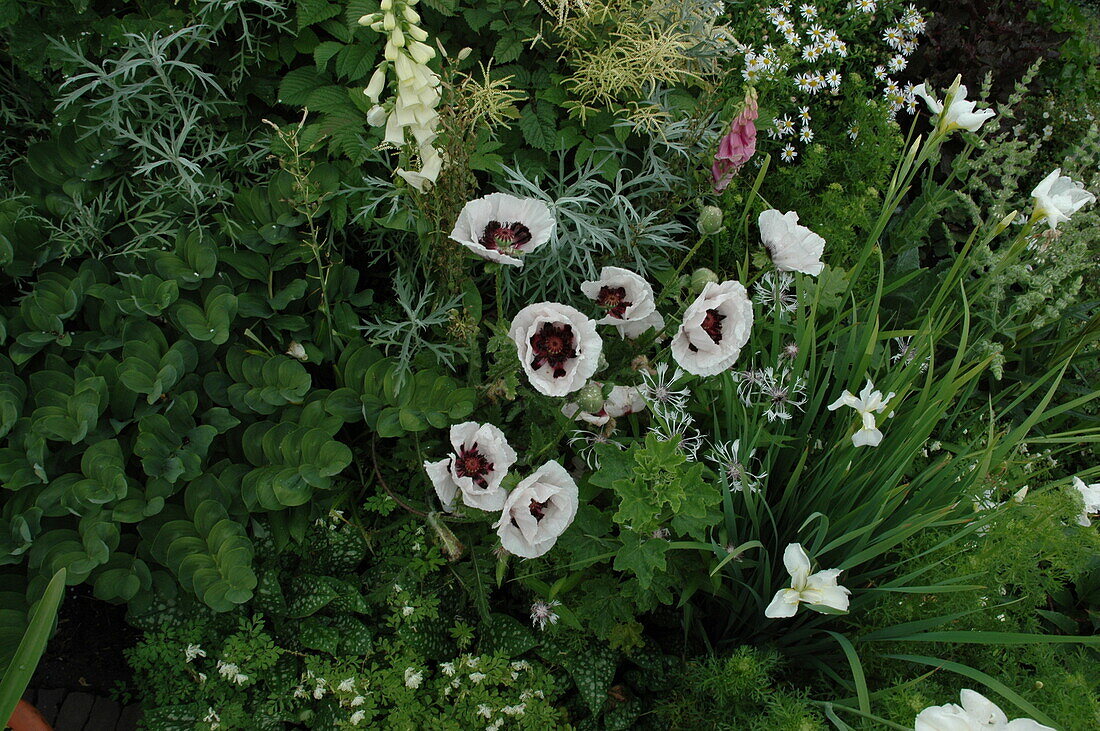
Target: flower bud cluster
{"x": 413, "y": 108}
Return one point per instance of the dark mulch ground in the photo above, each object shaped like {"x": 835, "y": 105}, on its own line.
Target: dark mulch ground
{"x": 83, "y": 664}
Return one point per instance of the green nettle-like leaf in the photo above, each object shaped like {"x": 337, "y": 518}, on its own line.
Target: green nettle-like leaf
{"x": 309, "y": 594}
{"x": 539, "y": 126}
{"x": 592, "y": 670}
{"x": 148, "y": 369}
{"x": 209, "y": 323}
{"x": 263, "y": 384}
{"x": 641, "y": 556}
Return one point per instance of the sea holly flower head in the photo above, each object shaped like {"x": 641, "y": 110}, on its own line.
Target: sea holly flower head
{"x": 1058, "y": 197}
{"x": 715, "y": 328}
{"x": 537, "y": 511}
{"x": 503, "y": 228}
{"x": 1091, "y": 495}
{"x": 479, "y": 461}
{"x": 955, "y": 111}
{"x": 627, "y": 299}
{"x": 976, "y": 712}
{"x": 793, "y": 247}
{"x": 868, "y": 403}
{"x": 557, "y": 346}
{"x": 818, "y": 589}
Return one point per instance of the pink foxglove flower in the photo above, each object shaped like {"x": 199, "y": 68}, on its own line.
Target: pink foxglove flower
{"x": 976, "y": 712}
{"x": 503, "y": 228}
{"x": 738, "y": 146}
{"x": 627, "y": 299}
{"x": 480, "y": 459}
{"x": 537, "y": 511}
{"x": 715, "y": 328}
{"x": 557, "y": 346}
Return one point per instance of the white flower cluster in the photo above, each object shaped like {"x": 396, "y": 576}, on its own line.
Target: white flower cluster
{"x": 817, "y": 52}
{"x": 413, "y": 108}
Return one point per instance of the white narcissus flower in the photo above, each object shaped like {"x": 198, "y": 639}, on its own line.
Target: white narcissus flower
{"x": 868, "y": 403}
{"x": 1091, "y": 495}
{"x": 628, "y": 300}
{"x": 958, "y": 113}
{"x": 793, "y": 248}
{"x": 479, "y": 462}
{"x": 976, "y": 713}
{"x": 715, "y": 328}
{"x": 537, "y": 511}
{"x": 503, "y": 228}
{"x": 557, "y": 346}
{"x": 820, "y": 588}
{"x": 1058, "y": 197}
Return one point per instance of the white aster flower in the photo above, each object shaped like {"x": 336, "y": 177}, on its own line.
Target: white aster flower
{"x": 714, "y": 329}
{"x": 479, "y": 461}
{"x": 976, "y": 712}
{"x": 1091, "y": 495}
{"x": 1058, "y": 197}
{"x": 627, "y": 298}
{"x": 955, "y": 112}
{"x": 542, "y": 613}
{"x": 557, "y": 345}
{"x": 879, "y": 73}
{"x": 503, "y": 228}
{"x": 793, "y": 248}
{"x": 869, "y": 403}
{"x": 806, "y": 134}
{"x": 809, "y": 12}
{"x": 789, "y": 153}
{"x": 818, "y": 589}
{"x": 538, "y": 511}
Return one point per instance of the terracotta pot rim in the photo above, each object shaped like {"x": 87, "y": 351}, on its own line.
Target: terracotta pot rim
{"x": 27, "y": 718}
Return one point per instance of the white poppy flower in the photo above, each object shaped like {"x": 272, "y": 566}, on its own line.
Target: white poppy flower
{"x": 868, "y": 403}
{"x": 793, "y": 248}
{"x": 959, "y": 111}
{"x": 1058, "y": 197}
{"x": 557, "y": 345}
{"x": 820, "y": 588}
{"x": 627, "y": 298}
{"x": 479, "y": 462}
{"x": 537, "y": 511}
{"x": 573, "y": 411}
{"x": 715, "y": 328}
{"x": 635, "y": 328}
{"x": 976, "y": 712}
{"x": 1091, "y": 495}
{"x": 502, "y": 227}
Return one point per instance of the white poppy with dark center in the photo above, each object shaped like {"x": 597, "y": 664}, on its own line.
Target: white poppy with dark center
{"x": 627, "y": 299}
{"x": 715, "y": 328}
{"x": 537, "y": 511}
{"x": 480, "y": 459}
{"x": 793, "y": 248}
{"x": 503, "y": 228}
{"x": 557, "y": 346}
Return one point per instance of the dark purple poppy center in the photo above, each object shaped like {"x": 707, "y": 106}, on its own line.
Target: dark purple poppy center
{"x": 538, "y": 509}
{"x": 553, "y": 344}
{"x": 507, "y": 237}
{"x": 613, "y": 299}
{"x": 469, "y": 462}
{"x": 712, "y": 326}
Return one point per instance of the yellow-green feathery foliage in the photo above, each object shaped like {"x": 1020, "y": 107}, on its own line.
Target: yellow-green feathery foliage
{"x": 620, "y": 51}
